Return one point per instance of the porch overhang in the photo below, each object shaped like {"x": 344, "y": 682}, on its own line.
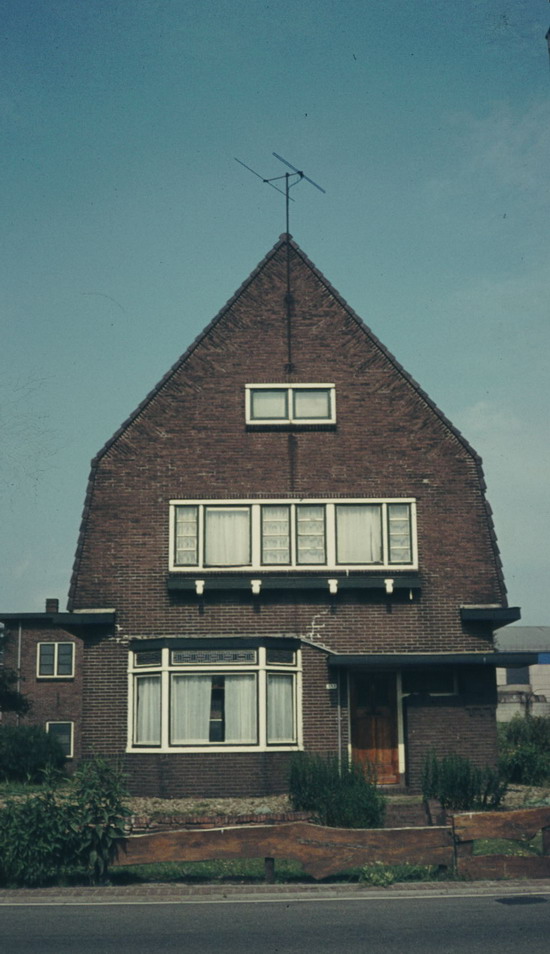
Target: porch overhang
{"x": 497, "y": 616}
{"x": 419, "y": 660}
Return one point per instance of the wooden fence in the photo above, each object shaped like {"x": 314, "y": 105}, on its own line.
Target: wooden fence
{"x": 327, "y": 851}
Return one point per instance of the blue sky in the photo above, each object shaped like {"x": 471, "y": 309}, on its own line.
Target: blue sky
{"x": 127, "y": 224}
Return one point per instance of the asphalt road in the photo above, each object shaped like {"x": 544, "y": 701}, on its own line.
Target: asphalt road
{"x": 415, "y": 925}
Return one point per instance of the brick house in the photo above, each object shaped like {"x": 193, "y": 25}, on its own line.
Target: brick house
{"x": 286, "y": 546}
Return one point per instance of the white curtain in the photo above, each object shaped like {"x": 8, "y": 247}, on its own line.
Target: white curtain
{"x": 227, "y": 536}
{"x": 240, "y": 708}
{"x": 275, "y": 535}
{"x": 148, "y": 710}
{"x": 399, "y": 533}
{"x": 190, "y": 709}
{"x": 311, "y": 404}
{"x": 186, "y": 536}
{"x": 310, "y": 542}
{"x": 358, "y": 533}
{"x": 269, "y": 405}
{"x": 280, "y": 708}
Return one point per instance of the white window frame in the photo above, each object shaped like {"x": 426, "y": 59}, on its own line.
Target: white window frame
{"x": 330, "y": 564}
{"x": 55, "y": 674}
{"x": 291, "y": 418}
{"x": 71, "y": 725}
{"x": 260, "y": 668}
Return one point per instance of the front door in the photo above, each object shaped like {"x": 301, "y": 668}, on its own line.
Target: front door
{"x": 373, "y": 715}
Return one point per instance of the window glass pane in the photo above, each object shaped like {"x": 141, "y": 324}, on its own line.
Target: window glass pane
{"x": 186, "y": 543}
{"x": 227, "y": 536}
{"x": 399, "y": 533}
{"x": 190, "y": 708}
{"x": 267, "y": 405}
{"x": 310, "y": 534}
{"x": 281, "y": 656}
{"x": 64, "y": 659}
{"x": 432, "y": 681}
{"x": 518, "y": 677}
{"x": 240, "y": 709}
{"x": 148, "y": 710}
{"x": 148, "y": 657}
{"x": 280, "y": 708}
{"x": 275, "y": 535}
{"x": 196, "y": 657}
{"x": 62, "y": 731}
{"x": 314, "y": 403}
{"x": 359, "y": 533}
{"x": 46, "y": 659}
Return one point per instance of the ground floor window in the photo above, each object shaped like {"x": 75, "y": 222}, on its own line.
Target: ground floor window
{"x": 63, "y": 732}
{"x": 205, "y": 699}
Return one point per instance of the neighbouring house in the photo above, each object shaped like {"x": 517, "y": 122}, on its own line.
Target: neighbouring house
{"x": 286, "y": 546}
{"x": 524, "y": 690}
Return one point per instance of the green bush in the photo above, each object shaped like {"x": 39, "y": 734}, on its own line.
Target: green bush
{"x": 524, "y": 750}
{"x": 26, "y": 752}
{"x": 459, "y": 785}
{"x": 46, "y": 837}
{"x": 339, "y": 796}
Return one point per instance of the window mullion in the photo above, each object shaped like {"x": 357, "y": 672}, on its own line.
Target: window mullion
{"x": 256, "y": 532}
{"x": 385, "y": 535}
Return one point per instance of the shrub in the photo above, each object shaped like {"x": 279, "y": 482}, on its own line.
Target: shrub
{"x": 26, "y": 752}
{"x": 44, "y": 837}
{"x": 339, "y": 796}
{"x": 524, "y": 755}
{"x": 460, "y": 785}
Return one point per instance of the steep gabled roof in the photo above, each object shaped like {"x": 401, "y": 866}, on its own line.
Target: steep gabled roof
{"x": 285, "y": 241}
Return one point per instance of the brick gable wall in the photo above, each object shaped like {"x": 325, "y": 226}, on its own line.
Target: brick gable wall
{"x": 190, "y": 441}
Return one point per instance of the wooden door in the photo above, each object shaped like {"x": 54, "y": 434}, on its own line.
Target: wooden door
{"x": 373, "y": 715}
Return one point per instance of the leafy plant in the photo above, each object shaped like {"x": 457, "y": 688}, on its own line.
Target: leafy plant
{"x": 340, "y": 796}
{"x": 460, "y": 785}
{"x": 377, "y": 874}
{"x": 99, "y": 792}
{"x": 45, "y": 836}
{"x": 26, "y": 752}
{"x": 524, "y": 750}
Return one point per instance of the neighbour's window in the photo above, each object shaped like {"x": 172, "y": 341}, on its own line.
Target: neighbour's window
{"x": 206, "y": 698}
{"x": 285, "y": 404}
{"x": 55, "y": 660}
{"x": 63, "y": 732}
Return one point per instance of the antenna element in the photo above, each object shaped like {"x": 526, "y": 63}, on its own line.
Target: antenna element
{"x": 288, "y": 184}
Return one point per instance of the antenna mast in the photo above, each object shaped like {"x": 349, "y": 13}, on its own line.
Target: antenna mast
{"x": 296, "y": 174}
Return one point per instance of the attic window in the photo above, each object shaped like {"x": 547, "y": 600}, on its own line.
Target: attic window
{"x": 283, "y": 404}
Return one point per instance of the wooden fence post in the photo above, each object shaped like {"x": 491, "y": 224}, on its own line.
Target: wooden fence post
{"x": 269, "y": 869}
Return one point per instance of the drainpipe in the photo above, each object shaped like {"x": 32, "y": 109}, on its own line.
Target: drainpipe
{"x": 19, "y": 644}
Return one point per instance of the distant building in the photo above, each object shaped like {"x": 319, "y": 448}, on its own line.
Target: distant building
{"x": 524, "y": 689}
{"x": 286, "y": 547}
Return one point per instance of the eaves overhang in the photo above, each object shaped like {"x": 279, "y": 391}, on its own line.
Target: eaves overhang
{"x": 258, "y": 582}
{"x": 419, "y": 660}
{"x": 63, "y": 620}
{"x": 497, "y": 616}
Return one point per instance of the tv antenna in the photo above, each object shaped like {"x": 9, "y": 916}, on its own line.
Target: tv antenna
{"x": 297, "y": 175}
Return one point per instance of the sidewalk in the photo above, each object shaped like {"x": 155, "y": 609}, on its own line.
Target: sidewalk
{"x": 235, "y": 893}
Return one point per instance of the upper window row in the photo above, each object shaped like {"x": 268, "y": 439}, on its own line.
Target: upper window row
{"x": 310, "y": 535}
{"x": 290, "y": 404}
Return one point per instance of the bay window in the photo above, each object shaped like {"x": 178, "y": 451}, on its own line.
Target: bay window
{"x": 311, "y": 534}
{"x": 204, "y": 699}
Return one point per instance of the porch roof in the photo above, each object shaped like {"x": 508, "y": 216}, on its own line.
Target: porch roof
{"x": 418, "y": 660}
